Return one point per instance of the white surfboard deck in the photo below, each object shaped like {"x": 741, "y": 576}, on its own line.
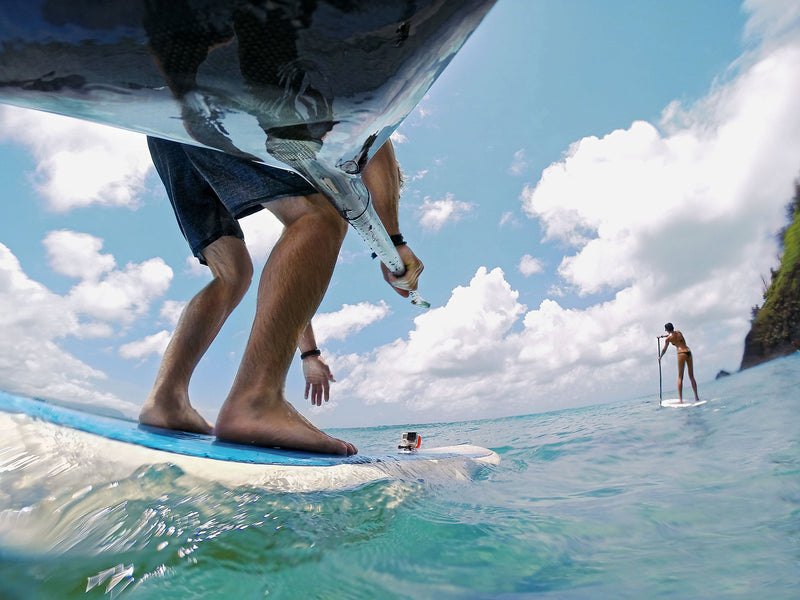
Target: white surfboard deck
{"x": 676, "y": 403}
{"x": 36, "y": 428}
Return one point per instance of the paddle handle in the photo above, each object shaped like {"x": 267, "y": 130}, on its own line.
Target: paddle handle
{"x": 348, "y": 194}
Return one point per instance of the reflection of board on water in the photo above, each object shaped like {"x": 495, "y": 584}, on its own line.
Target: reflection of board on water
{"x": 316, "y": 87}
{"x": 676, "y": 403}
{"x": 32, "y": 430}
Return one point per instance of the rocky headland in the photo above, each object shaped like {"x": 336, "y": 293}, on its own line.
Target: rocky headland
{"x": 776, "y": 323}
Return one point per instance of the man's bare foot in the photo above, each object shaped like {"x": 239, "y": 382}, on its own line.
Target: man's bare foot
{"x": 275, "y": 425}
{"x": 180, "y": 416}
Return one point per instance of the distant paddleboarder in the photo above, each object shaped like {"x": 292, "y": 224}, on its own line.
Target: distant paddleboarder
{"x": 684, "y": 358}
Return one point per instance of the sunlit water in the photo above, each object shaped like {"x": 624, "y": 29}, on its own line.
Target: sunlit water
{"x": 626, "y": 500}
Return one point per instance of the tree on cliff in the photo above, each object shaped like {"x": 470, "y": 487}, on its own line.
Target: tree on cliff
{"x": 777, "y": 322}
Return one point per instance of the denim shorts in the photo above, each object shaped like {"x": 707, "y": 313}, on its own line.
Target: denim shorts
{"x": 210, "y": 190}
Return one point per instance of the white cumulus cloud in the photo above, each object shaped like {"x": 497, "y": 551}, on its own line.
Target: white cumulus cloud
{"x": 435, "y": 214}
{"x": 398, "y": 138}
{"x": 683, "y": 202}
{"x": 261, "y": 232}
{"x": 34, "y": 321}
{"x": 448, "y": 360}
{"x": 171, "y": 311}
{"x": 152, "y": 344}
{"x": 123, "y": 295}
{"x": 79, "y": 163}
{"x": 528, "y": 265}
{"x": 351, "y": 319}
{"x": 77, "y": 254}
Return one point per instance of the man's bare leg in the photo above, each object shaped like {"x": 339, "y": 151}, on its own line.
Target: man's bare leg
{"x": 168, "y": 404}
{"x": 292, "y": 285}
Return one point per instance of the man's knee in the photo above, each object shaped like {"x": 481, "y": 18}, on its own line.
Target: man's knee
{"x": 230, "y": 264}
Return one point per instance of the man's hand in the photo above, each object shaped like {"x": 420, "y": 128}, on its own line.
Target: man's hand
{"x": 318, "y": 377}
{"x": 410, "y": 279}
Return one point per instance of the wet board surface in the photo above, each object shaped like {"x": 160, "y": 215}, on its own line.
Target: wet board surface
{"x": 675, "y": 403}
{"x": 314, "y": 87}
{"x": 229, "y": 74}
{"x": 207, "y": 447}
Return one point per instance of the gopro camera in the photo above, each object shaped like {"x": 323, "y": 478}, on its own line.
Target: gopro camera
{"x": 410, "y": 441}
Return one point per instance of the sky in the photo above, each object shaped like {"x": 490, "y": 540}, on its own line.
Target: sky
{"x": 579, "y": 175}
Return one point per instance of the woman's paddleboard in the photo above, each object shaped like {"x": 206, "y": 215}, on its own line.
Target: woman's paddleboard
{"x": 676, "y": 403}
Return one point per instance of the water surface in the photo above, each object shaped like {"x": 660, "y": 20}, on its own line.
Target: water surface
{"x": 624, "y": 500}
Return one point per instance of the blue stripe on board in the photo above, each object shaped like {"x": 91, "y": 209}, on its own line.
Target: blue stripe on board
{"x": 178, "y": 442}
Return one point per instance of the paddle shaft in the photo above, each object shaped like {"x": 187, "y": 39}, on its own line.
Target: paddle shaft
{"x": 658, "y": 341}
{"x": 348, "y": 194}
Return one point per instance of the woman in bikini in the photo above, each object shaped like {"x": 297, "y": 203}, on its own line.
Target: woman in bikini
{"x": 684, "y": 358}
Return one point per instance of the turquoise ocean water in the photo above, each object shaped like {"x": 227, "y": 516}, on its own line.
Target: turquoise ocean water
{"x": 623, "y": 500}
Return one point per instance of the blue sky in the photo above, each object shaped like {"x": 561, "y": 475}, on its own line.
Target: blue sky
{"x": 580, "y": 174}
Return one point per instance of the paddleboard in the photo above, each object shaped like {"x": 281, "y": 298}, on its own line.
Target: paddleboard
{"x": 68, "y": 432}
{"x": 313, "y": 87}
{"x": 675, "y": 403}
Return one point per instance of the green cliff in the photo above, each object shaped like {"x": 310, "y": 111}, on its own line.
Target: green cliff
{"x": 777, "y": 322}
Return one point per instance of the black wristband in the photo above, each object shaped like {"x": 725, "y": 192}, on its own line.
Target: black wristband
{"x": 314, "y": 352}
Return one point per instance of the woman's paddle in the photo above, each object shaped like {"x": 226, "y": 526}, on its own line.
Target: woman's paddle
{"x": 658, "y": 341}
